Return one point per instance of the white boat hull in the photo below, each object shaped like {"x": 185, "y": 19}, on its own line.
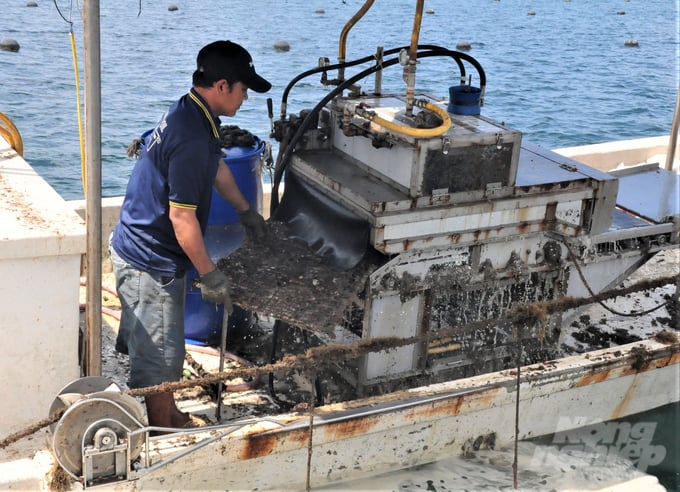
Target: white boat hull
{"x": 366, "y": 437}
{"x": 423, "y": 425}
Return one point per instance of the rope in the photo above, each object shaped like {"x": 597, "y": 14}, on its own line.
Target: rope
{"x": 316, "y": 358}
{"x": 515, "y": 466}
{"x": 32, "y": 429}
{"x": 312, "y": 399}
{"x": 590, "y": 290}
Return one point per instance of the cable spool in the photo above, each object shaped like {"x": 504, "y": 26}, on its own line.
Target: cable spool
{"x": 90, "y": 441}
{"x": 10, "y": 133}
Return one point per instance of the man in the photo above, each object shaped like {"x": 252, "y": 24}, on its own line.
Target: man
{"x": 159, "y": 235}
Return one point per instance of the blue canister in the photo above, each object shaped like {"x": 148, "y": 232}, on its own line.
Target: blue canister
{"x": 203, "y": 320}
{"x": 464, "y": 99}
{"x": 244, "y": 163}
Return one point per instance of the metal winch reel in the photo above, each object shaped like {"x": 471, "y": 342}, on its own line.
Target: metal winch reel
{"x": 92, "y": 441}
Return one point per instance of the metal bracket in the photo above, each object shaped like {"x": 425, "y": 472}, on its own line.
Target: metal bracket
{"x": 106, "y": 459}
{"x": 493, "y": 188}
{"x": 440, "y": 195}
{"x": 499, "y": 141}
{"x": 446, "y": 145}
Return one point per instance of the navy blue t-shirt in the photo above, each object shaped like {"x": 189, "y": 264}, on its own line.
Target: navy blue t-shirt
{"x": 177, "y": 166}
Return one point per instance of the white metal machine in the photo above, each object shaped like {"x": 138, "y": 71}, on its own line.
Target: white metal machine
{"x": 469, "y": 220}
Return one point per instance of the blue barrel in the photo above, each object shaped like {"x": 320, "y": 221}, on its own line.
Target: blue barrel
{"x": 244, "y": 163}
{"x": 464, "y": 99}
{"x": 203, "y": 320}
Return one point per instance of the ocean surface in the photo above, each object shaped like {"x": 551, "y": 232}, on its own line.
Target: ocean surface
{"x": 563, "y": 77}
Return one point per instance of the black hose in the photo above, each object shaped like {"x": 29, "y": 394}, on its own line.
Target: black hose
{"x": 286, "y": 153}
{"x": 278, "y": 325}
{"x": 359, "y": 61}
{"x": 317, "y": 381}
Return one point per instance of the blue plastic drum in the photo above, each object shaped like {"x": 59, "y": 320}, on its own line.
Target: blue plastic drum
{"x": 464, "y": 99}
{"x": 244, "y": 163}
{"x": 203, "y": 320}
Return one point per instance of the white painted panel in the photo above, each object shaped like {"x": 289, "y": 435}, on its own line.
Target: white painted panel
{"x": 464, "y": 223}
{"x": 498, "y": 253}
{"x": 389, "y": 317}
{"x": 395, "y": 162}
{"x": 599, "y": 274}
{"x": 34, "y": 219}
{"x": 39, "y": 317}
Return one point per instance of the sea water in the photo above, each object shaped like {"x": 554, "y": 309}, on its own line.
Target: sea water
{"x": 563, "y": 76}
{"x": 557, "y": 70}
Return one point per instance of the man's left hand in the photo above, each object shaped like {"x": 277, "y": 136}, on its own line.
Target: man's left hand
{"x": 254, "y": 224}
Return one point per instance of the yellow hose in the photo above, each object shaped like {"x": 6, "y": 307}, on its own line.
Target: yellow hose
{"x": 415, "y": 34}
{"x": 342, "y": 49}
{"x": 410, "y": 73}
{"x": 410, "y": 131}
{"x": 83, "y": 173}
{"x": 11, "y": 133}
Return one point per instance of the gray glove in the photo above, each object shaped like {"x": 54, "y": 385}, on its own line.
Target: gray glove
{"x": 254, "y": 224}
{"x": 215, "y": 288}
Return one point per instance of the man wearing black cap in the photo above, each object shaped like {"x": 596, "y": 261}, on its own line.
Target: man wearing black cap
{"x": 164, "y": 215}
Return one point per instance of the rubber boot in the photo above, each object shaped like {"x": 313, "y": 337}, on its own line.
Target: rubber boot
{"x": 162, "y": 411}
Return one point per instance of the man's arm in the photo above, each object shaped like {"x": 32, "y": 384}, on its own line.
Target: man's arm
{"x": 188, "y": 233}
{"x": 214, "y": 284}
{"x": 226, "y": 186}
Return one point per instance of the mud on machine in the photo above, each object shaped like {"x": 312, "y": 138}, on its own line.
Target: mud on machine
{"x": 465, "y": 219}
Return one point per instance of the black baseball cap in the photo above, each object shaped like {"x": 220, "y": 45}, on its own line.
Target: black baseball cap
{"x": 231, "y": 61}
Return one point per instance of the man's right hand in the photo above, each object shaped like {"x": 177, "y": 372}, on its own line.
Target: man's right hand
{"x": 215, "y": 288}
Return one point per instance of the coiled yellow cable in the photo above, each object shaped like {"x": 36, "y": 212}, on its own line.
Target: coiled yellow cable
{"x": 11, "y": 133}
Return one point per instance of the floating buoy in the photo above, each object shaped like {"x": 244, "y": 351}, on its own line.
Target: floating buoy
{"x": 319, "y": 11}
{"x": 8, "y": 44}
{"x": 531, "y": 12}
{"x": 463, "y": 45}
{"x": 429, "y": 11}
{"x": 172, "y": 7}
{"x": 281, "y": 45}
{"x": 32, "y": 4}
{"x": 620, "y": 12}
{"x": 633, "y": 43}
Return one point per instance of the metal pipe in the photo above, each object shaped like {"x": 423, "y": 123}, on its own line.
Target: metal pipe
{"x": 673, "y": 138}
{"x": 93, "y": 200}
{"x": 342, "y": 49}
{"x": 223, "y": 349}
{"x": 379, "y": 57}
{"x": 412, "y": 58}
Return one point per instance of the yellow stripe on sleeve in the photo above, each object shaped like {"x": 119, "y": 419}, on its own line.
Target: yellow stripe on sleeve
{"x": 185, "y": 206}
